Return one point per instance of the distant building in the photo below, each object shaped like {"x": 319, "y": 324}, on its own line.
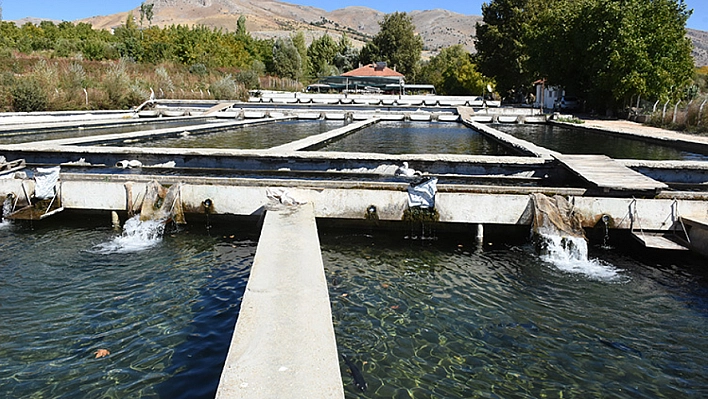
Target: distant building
{"x": 547, "y": 96}
{"x": 372, "y": 78}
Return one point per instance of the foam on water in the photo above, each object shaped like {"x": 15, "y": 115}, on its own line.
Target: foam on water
{"x": 6, "y": 209}
{"x": 570, "y": 254}
{"x": 137, "y": 236}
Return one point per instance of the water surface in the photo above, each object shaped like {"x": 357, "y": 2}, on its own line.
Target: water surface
{"x": 418, "y": 138}
{"x": 165, "y": 313}
{"x": 575, "y": 141}
{"x": 257, "y": 137}
{"x": 64, "y": 133}
{"x": 441, "y": 320}
{"x": 423, "y": 319}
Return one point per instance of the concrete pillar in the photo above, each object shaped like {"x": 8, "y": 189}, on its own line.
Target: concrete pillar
{"x": 283, "y": 345}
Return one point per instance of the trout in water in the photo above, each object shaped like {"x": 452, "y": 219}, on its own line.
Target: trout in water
{"x": 356, "y": 374}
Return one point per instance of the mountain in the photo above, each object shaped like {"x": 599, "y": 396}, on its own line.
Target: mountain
{"x": 271, "y": 18}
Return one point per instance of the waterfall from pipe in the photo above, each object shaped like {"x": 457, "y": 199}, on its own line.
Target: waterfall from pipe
{"x": 560, "y": 239}
{"x": 137, "y": 235}
{"x": 145, "y": 230}
{"x": 6, "y": 210}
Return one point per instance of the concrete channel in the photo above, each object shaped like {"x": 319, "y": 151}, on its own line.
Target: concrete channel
{"x": 291, "y": 351}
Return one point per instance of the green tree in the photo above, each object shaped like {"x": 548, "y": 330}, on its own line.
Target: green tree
{"x": 146, "y": 13}
{"x": 396, "y": 43}
{"x": 347, "y": 56}
{"x": 321, "y": 56}
{"x": 298, "y": 41}
{"x": 501, "y": 49}
{"x": 286, "y": 59}
{"x": 129, "y": 42}
{"x": 241, "y": 26}
{"x": 453, "y": 73}
{"x": 614, "y": 50}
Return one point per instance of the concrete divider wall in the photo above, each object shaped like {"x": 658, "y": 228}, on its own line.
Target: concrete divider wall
{"x": 284, "y": 345}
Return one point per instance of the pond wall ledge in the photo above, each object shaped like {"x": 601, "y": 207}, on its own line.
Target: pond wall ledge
{"x": 509, "y": 141}
{"x": 283, "y": 345}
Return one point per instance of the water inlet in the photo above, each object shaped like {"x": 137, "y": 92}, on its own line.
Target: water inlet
{"x": 207, "y": 204}
{"x": 371, "y": 213}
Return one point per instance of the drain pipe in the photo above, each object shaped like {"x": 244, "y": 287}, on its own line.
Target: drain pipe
{"x": 479, "y": 237}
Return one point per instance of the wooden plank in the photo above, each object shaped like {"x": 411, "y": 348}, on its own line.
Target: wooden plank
{"x": 606, "y": 173}
{"x": 218, "y": 107}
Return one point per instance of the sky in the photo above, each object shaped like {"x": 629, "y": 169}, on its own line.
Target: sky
{"x": 69, "y": 10}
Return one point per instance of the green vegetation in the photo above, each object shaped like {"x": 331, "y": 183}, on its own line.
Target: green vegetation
{"x": 607, "y": 51}
{"x": 453, "y": 73}
{"x": 618, "y": 55}
{"x": 397, "y": 44}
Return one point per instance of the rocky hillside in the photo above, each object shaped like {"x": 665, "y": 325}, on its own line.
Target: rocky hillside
{"x": 271, "y": 18}
{"x": 700, "y": 46}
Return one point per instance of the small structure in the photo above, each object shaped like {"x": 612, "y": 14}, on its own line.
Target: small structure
{"x": 547, "y": 96}
{"x": 372, "y": 78}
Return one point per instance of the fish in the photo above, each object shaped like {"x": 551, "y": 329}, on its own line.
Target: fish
{"x": 621, "y": 346}
{"x": 356, "y": 374}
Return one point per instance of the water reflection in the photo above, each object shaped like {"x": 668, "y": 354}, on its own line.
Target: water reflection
{"x": 418, "y": 138}
{"x": 575, "y": 141}
{"x": 248, "y": 137}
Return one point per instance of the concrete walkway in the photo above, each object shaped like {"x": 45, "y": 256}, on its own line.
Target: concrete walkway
{"x": 283, "y": 345}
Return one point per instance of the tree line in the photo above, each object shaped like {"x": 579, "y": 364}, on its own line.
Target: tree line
{"x": 610, "y": 52}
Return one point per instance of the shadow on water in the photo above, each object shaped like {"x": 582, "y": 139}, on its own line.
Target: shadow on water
{"x": 197, "y": 363}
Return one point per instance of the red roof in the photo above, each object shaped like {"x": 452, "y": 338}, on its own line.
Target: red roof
{"x": 373, "y": 70}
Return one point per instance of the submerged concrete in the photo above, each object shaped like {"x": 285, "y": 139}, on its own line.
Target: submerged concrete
{"x": 283, "y": 344}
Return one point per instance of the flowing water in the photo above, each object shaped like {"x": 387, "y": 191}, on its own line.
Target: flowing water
{"x": 435, "y": 318}
{"x": 575, "y": 141}
{"x": 443, "y": 319}
{"x": 165, "y": 313}
{"x": 418, "y": 138}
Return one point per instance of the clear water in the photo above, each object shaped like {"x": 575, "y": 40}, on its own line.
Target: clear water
{"x": 165, "y": 313}
{"x": 418, "y": 138}
{"x": 439, "y": 319}
{"x": 574, "y": 141}
{"x": 249, "y": 137}
{"x": 17, "y": 138}
{"x": 424, "y": 319}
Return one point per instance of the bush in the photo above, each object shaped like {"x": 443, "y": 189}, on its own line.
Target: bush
{"x": 249, "y": 79}
{"x": 66, "y": 48}
{"x": 28, "y": 96}
{"x": 224, "y": 88}
{"x": 198, "y": 69}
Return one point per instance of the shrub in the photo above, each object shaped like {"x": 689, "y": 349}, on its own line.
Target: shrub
{"x": 66, "y": 48}
{"x": 198, "y": 69}
{"x": 28, "y": 96}
{"x": 248, "y": 79}
{"x": 224, "y": 88}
